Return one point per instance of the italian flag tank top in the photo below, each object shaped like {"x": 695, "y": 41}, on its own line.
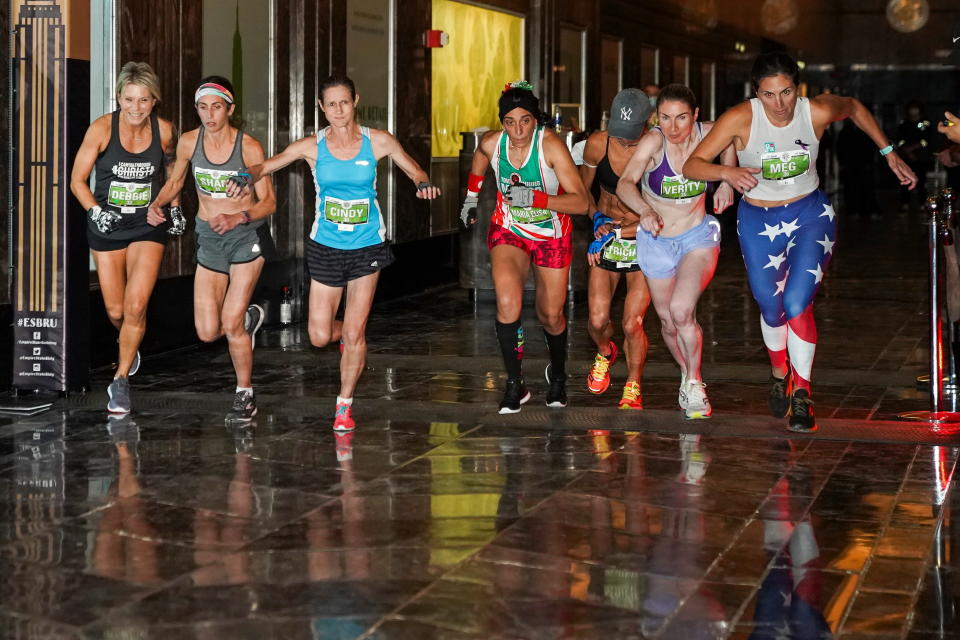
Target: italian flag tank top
{"x": 527, "y": 222}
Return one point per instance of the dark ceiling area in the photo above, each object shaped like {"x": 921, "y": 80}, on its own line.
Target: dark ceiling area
{"x": 842, "y": 32}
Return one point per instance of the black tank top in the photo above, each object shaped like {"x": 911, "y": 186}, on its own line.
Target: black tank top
{"x": 607, "y": 177}
{"x": 128, "y": 182}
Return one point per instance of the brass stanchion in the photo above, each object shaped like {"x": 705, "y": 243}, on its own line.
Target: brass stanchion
{"x": 940, "y": 209}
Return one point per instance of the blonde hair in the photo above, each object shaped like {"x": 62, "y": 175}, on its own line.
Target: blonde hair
{"x": 139, "y": 73}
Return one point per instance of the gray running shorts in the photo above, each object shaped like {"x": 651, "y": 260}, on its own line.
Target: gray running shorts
{"x": 244, "y": 243}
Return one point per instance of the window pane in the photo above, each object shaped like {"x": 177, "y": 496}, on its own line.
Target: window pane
{"x": 485, "y": 52}
{"x": 610, "y": 78}
{"x": 239, "y": 50}
{"x": 649, "y": 65}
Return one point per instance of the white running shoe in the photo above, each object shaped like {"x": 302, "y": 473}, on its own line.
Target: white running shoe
{"x": 698, "y": 405}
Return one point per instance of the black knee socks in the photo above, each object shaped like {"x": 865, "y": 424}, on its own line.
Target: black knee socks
{"x": 557, "y": 346}
{"x": 510, "y": 337}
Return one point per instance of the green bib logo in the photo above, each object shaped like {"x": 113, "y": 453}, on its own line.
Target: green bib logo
{"x": 213, "y": 182}
{"x": 679, "y": 188}
{"x": 346, "y": 211}
{"x": 621, "y": 251}
{"x": 522, "y": 215}
{"x": 129, "y": 194}
{"x": 788, "y": 164}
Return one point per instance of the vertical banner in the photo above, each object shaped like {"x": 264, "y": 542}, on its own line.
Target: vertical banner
{"x": 40, "y": 184}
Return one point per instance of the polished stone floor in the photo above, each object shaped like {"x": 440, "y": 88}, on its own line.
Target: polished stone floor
{"x": 439, "y": 518}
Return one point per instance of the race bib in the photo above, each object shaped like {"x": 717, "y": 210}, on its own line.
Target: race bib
{"x": 621, "y": 251}
{"x": 346, "y": 214}
{"x": 129, "y": 196}
{"x": 680, "y": 189}
{"x": 523, "y": 215}
{"x": 784, "y": 166}
{"x": 212, "y": 183}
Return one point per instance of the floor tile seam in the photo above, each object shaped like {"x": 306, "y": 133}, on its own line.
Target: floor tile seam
{"x": 467, "y": 559}
{"x": 928, "y": 562}
{"x": 331, "y": 501}
{"x": 68, "y": 521}
{"x": 878, "y": 403}
{"x": 898, "y": 334}
{"x": 20, "y": 615}
{"x": 872, "y": 556}
{"x": 805, "y": 514}
{"x": 113, "y": 611}
{"x": 426, "y": 454}
{"x": 754, "y": 588}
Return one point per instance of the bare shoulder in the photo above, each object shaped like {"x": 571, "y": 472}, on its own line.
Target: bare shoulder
{"x": 252, "y": 149}
{"x": 736, "y": 115}
{"x": 101, "y": 127}
{"x": 190, "y": 136}
{"x": 249, "y": 142}
{"x": 488, "y": 142}
{"x": 827, "y": 106}
{"x": 596, "y": 143}
{"x": 650, "y": 142}
{"x": 552, "y": 143}
{"x": 381, "y": 137}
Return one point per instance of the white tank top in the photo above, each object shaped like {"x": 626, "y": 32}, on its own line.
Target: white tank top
{"x": 787, "y": 156}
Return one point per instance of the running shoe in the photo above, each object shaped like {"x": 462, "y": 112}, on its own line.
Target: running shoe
{"x": 631, "y": 398}
{"x": 801, "y": 412}
{"x": 557, "y": 393}
{"x": 343, "y": 418}
{"x": 122, "y": 428}
{"x": 252, "y": 321}
{"x": 243, "y": 409}
{"x": 119, "y": 392}
{"x": 344, "y": 445}
{"x": 599, "y": 377}
{"x": 514, "y": 395}
{"x": 779, "y": 399}
{"x": 135, "y": 365}
{"x": 698, "y": 405}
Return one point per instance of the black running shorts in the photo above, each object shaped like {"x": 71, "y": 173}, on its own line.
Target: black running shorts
{"x": 99, "y": 242}
{"x": 336, "y": 267}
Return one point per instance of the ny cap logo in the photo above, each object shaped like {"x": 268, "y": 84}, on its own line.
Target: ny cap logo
{"x": 626, "y": 112}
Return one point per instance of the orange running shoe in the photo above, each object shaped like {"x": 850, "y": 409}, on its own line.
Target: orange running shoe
{"x": 632, "y": 398}
{"x": 342, "y": 419}
{"x": 599, "y": 377}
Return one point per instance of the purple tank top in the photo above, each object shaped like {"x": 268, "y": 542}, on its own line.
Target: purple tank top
{"x": 665, "y": 183}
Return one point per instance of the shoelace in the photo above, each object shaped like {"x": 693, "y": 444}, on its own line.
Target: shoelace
{"x": 779, "y": 388}
{"x": 696, "y": 392}
{"x": 239, "y": 402}
{"x": 513, "y": 392}
{"x": 600, "y": 366}
{"x": 631, "y": 392}
{"x": 342, "y": 410}
{"x": 801, "y": 407}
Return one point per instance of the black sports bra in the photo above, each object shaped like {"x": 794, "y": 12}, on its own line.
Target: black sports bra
{"x": 607, "y": 177}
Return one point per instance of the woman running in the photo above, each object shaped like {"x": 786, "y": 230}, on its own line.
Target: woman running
{"x": 129, "y": 149}
{"x": 605, "y": 157}
{"x": 678, "y": 243}
{"x": 786, "y": 224}
{"x": 347, "y": 246}
{"x": 233, "y": 241}
{"x": 537, "y": 185}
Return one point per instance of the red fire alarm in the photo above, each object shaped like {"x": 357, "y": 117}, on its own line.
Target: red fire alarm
{"x": 433, "y": 38}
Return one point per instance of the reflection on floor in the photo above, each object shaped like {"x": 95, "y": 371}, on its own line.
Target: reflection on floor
{"x": 439, "y": 518}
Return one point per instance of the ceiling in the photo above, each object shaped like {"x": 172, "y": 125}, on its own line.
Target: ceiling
{"x": 841, "y": 32}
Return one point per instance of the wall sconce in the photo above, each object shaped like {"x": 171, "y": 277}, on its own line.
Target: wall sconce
{"x": 435, "y": 38}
